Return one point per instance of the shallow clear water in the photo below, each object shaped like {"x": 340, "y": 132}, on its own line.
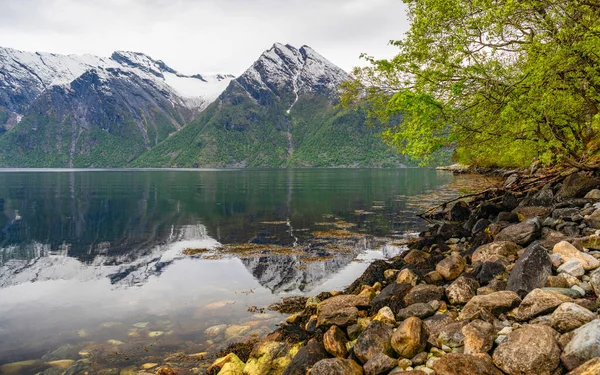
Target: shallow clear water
{"x": 93, "y": 261}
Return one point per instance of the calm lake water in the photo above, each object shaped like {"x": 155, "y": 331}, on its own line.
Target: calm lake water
{"x": 93, "y": 263}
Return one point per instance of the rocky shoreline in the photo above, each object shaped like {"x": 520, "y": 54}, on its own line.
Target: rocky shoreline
{"x": 501, "y": 286}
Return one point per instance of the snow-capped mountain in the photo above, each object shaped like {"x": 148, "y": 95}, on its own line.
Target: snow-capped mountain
{"x": 24, "y": 76}
{"x": 281, "y": 112}
{"x": 284, "y": 67}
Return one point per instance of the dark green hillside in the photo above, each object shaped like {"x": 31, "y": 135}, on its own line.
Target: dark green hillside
{"x": 237, "y": 132}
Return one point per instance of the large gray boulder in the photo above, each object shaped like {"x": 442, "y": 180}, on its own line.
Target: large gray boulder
{"x": 521, "y": 234}
{"x": 531, "y": 271}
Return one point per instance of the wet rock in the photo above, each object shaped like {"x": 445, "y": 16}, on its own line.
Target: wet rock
{"x": 451, "y": 267}
{"x": 374, "y": 273}
{"x": 572, "y": 267}
{"x": 521, "y": 234}
{"x": 584, "y": 346}
{"x": 464, "y": 364}
{"x": 336, "y": 366}
{"x": 493, "y": 249}
{"x": 423, "y": 293}
{"x": 230, "y": 369}
{"x": 340, "y": 310}
{"x": 306, "y": 358}
{"x": 531, "y": 271}
{"x": 231, "y": 331}
{"x": 569, "y": 252}
{"x": 270, "y": 357}
{"x": 406, "y": 276}
{"x": 460, "y": 211}
{"x": 379, "y": 364}
{"x": 591, "y": 367}
{"x": 479, "y": 337}
{"x": 577, "y": 186}
{"x": 539, "y": 302}
{"x": 569, "y": 316}
{"x": 376, "y": 338}
{"x": 433, "y": 277}
{"x": 416, "y": 257}
{"x": 230, "y": 358}
{"x": 420, "y": 310}
{"x": 391, "y": 296}
{"x": 410, "y": 338}
{"x": 385, "y": 315}
{"x": 335, "y": 342}
{"x": 532, "y": 350}
{"x": 461, "y": 290}
{"x": 494, "y": 304}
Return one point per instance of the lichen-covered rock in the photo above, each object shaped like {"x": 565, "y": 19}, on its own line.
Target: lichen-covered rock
{"x": 379, "y": 364}
{"x": 539, "y": 302}
{"x": 569, "y": 316}
{"x": 464, "y": 364}
{"x": 591, "y": 367}
{"x": 494, "y": 249}
{"x": 584, "y": 345}
{"x": 531, "y": 271}
{"x": 406, "y": 276}
{"x": 420, "y": 310}
{"x": 461, "y": 290}
{"x": 410, "y": 338}
{"x": 233, "y": 360}
{"x": 494, "y": 304}
{"x": 391, "y": 296}
{"x": 336, "y": 366}
{"x": 269, "y": 358}
{"x": 376, "y": 338}
{"x": 340, "y": 310}
{"x": 307, "y": 356}
{"x": 479, "y": 337}
{"x": 423, "y": 293}
{"x": 532, "y": 350}
{"x": 385, "y": 315}
{"x": 451, "y": 267}
{"x": 335, "y": 341}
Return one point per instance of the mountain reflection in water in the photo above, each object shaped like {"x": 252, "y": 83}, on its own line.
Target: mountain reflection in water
{"x": 84, "y": 251}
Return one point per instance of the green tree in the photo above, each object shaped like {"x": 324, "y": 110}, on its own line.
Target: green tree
{"x": 500, "y": 81}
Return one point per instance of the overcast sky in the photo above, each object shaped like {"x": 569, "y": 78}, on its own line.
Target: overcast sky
{"x": 204, "y": 36}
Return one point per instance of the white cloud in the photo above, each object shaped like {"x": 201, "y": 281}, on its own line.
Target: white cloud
{"x": 203, "y": 36}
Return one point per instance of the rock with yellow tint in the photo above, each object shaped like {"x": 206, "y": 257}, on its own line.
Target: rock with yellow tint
{"x": 230, "y": 369}
{"x": 270, "y": 358}
{"x": 407, "y": 276}
{"x": 148, "y": 366}
{"x": 236, "y": 331}
{"x": 63, "y": 363}
{"x": 591, "y": 367}
{"x": 155, "y": 333}
{"x": 16, "y": 368}
{"x": 232, "y": 360}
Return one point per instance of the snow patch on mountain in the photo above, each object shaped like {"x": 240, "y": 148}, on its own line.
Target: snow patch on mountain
{"x": 25, "y": 75}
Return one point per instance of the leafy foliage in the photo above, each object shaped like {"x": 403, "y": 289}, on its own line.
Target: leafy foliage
{"x": 501, "y": 81}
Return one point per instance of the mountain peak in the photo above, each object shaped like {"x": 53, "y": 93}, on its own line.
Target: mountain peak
{"x": 143, "y": 62}
{"x": 284, "y": 69}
